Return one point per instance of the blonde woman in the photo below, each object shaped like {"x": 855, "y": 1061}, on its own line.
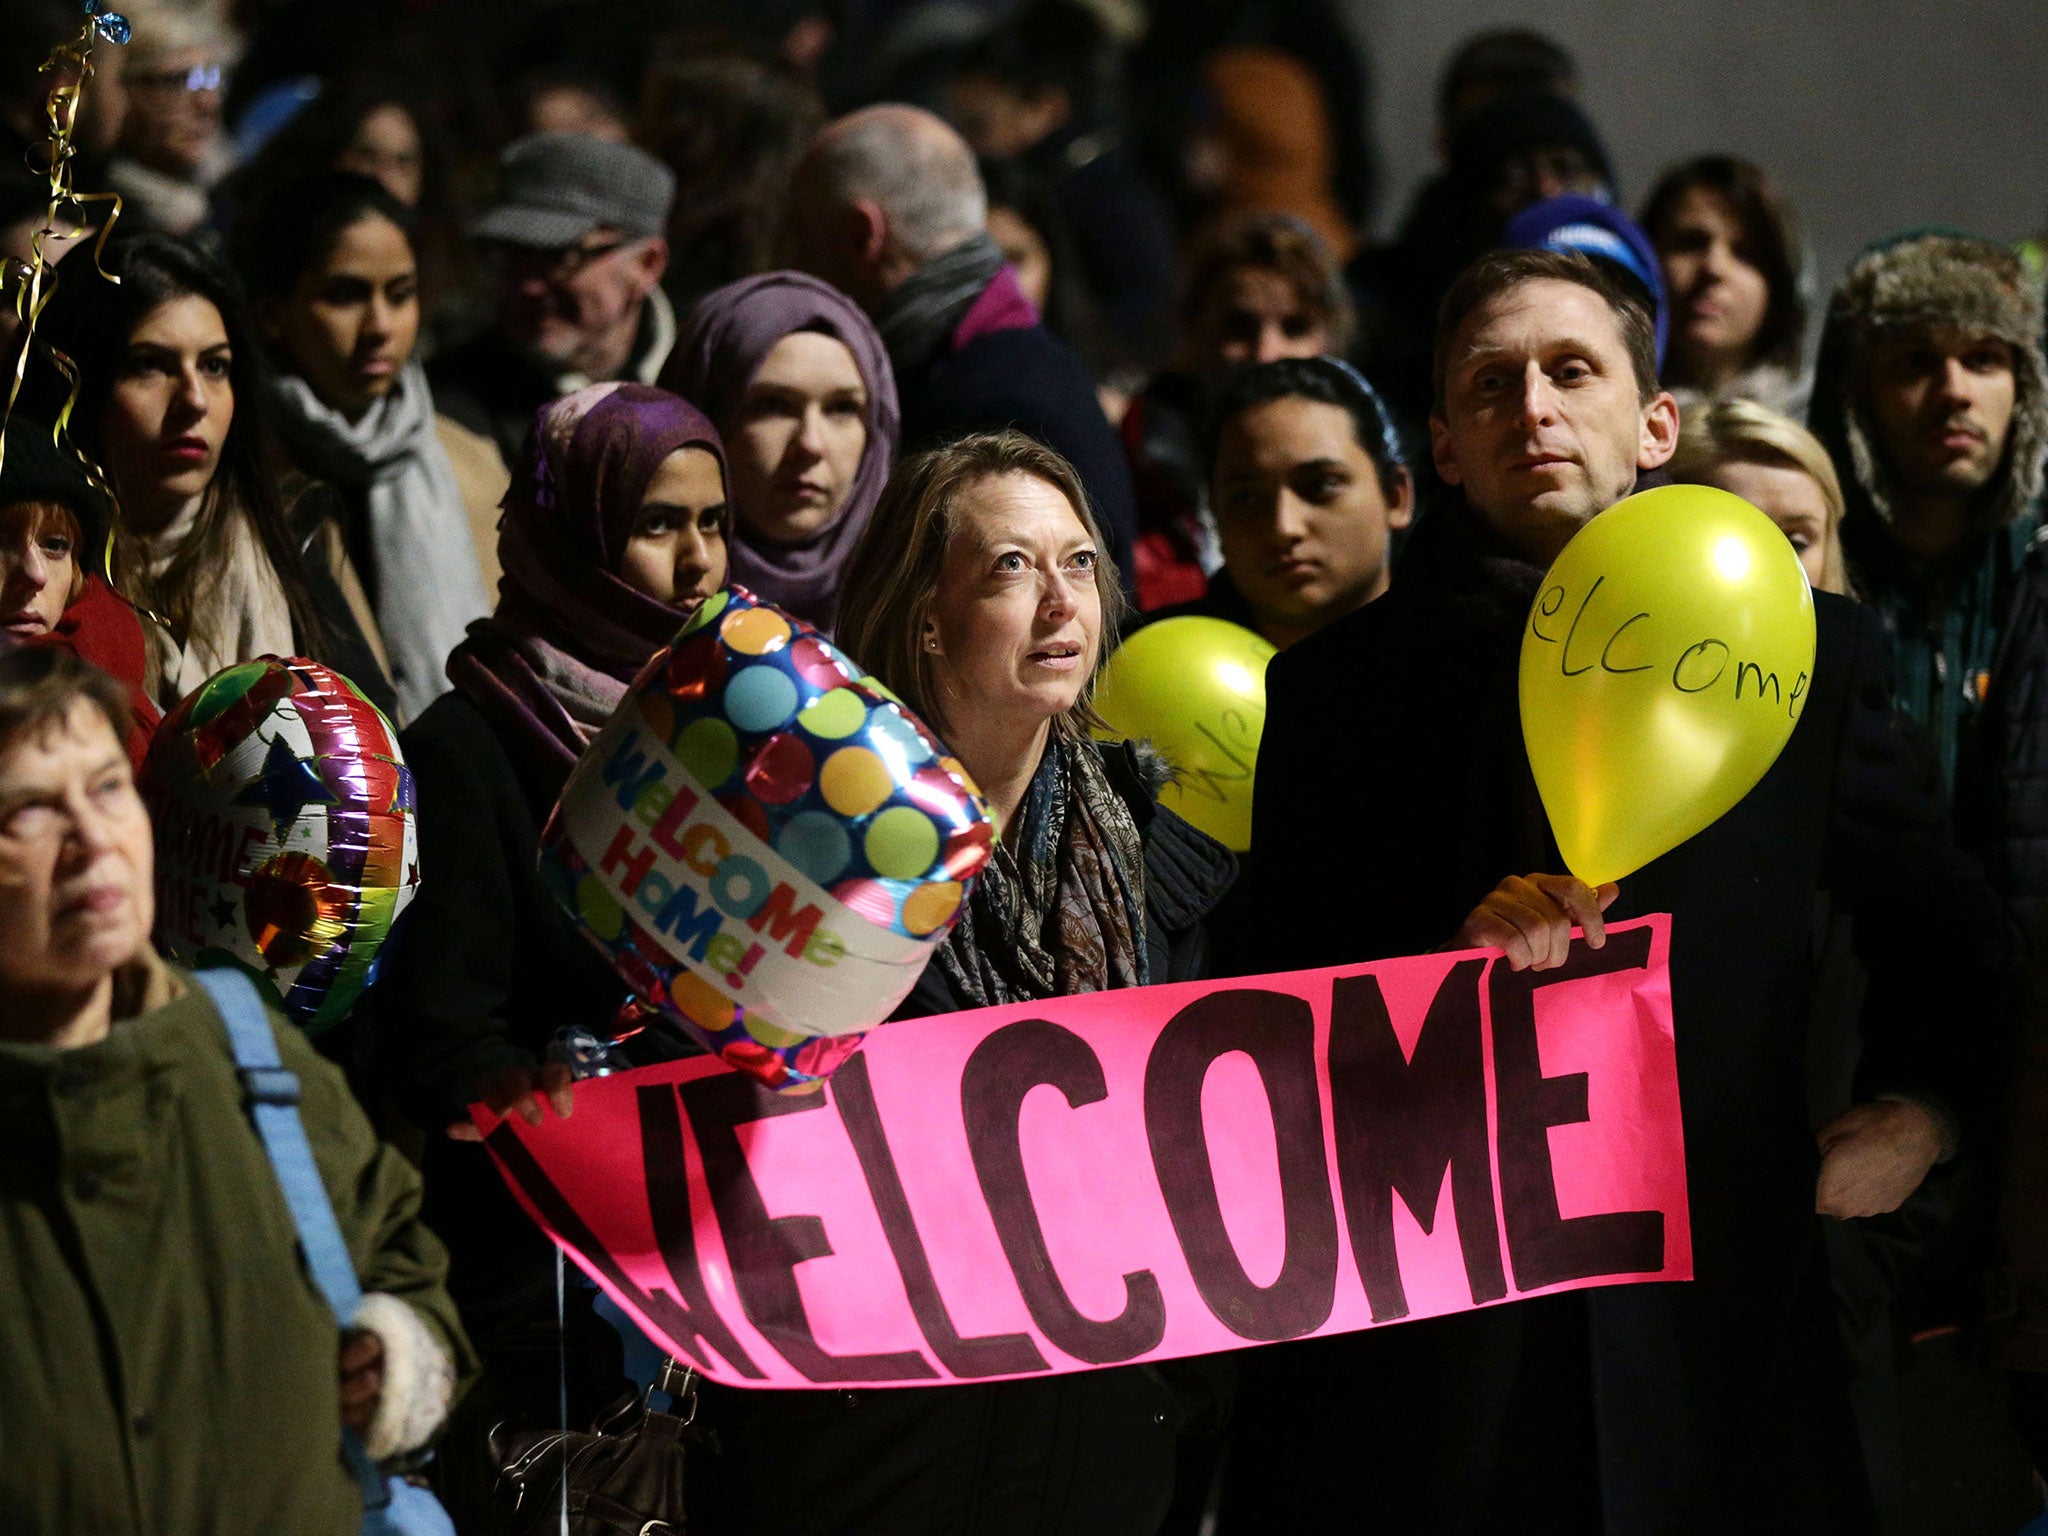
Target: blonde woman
{"x": 1777, "y": 466}
{"x": 982, "y": 594}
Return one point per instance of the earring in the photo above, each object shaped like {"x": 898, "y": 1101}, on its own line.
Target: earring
{"x": 931, "y": 642}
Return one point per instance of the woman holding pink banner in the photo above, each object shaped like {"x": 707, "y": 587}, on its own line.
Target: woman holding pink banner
{"x": 981, "y": 595}
{"x": 613, "y": 534}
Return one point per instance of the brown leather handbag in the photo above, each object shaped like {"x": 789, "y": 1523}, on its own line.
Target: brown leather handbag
{"x": 624, "y": 1475}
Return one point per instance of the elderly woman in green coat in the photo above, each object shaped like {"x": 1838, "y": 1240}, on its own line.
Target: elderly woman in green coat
{"x": 167, "y": 1364}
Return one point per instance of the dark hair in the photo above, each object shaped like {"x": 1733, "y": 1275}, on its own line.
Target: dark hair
{"x": 90, "y": 320}
{"x": 1501, "y": 62}
{"x": 1071, "y": 311}
{"x": 1328, "y": 380}
{"x": 1277, "y": 243}
{"x": 1769, "y": 242}
{"x": 317, "y": 134}
{"x": 40, "y": 683}
{"x": 893, "y": 577}
{"x": 566, "y": 75}
{"x": 296, "y": 225}
{"x": 1498, "y": 271}
{"x": 732, "y": 128}
{"x": 1048, "y": 45}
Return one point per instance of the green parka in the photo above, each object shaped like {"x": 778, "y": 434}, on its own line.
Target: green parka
{"x": 166, "y": 1363}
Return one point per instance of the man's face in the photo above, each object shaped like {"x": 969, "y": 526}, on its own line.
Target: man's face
{"x": 1941, "y": 404}
{"x": 174, "y": 110}
{"x": 1542, "y": 425}
{"x": 575, "y": 308}
{"x": 76, "y": 860}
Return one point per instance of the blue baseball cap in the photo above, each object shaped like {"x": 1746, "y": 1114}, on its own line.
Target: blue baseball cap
{"x": 1594, "y": 228}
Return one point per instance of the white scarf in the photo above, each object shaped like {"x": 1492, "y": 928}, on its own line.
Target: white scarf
{"x": 423, "y": 558}
{"x": 239, "y": 610}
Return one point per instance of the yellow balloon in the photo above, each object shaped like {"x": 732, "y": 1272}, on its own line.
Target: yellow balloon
{"x": 1666, "y": 659}
{"x": 1197, "y": 688}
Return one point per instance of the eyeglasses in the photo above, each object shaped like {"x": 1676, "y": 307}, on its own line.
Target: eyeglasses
{"x": 523, "y": 261}
{"x": 200, "y": 77}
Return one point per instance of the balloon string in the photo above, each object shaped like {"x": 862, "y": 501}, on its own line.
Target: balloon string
{"x": 36, "y": 279}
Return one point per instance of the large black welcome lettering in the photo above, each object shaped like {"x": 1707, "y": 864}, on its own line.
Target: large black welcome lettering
{"x": 1278, "y": 1033}
{"x": 765, "y": 1250}
{"x": 1003, "y": 1069}
{"x": 1544, "y": 1247}
{"x": 1001, "y": 1354}
{"x": 687, "y": 1319}
{"x": 1400, "y": 1121}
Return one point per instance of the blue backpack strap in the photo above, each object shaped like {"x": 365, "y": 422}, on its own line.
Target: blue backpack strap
{"x": 274, "y": 1107}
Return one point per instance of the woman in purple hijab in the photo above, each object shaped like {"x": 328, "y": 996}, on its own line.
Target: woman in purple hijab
{"x": 800, "y": 386}
{"x": 613, "y": 534}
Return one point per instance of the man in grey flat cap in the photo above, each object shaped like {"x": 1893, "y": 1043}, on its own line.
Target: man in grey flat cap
{"x": 575, "y": 246}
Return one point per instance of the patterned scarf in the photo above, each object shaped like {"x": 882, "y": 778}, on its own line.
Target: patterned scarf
{"x": 1065, "y": 913}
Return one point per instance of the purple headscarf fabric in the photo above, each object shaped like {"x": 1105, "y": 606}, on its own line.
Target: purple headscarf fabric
{"x": 723, "y": 344}
{"x": 552, "y": 663}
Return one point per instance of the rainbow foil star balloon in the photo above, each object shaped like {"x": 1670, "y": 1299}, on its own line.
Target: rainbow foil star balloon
{"x": 285, "y": 840}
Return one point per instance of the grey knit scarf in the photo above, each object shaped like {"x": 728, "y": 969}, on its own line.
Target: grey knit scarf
{"x": 917, "y": 318}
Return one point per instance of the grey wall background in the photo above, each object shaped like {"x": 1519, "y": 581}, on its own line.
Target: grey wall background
{"x": 1873, "y": 114}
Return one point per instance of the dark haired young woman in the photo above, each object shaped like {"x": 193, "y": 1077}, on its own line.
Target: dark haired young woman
{"x": 1731, "y": 256}
{"x": 172, "y": 406}
{"x": 329, "y": 261}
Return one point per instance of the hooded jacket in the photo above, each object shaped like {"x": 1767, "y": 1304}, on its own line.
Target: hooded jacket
{"x": 1970, "y": 635}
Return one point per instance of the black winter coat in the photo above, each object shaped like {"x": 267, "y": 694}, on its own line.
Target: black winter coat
{"x": 489, "y": 968}
{"x": 1091, "y": 1452}
{"x": 2002, "y": 793}
{"x": 1392, "y": 769}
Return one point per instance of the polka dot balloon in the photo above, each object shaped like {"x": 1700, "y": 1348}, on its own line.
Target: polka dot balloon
{"x": 765, "y": 842}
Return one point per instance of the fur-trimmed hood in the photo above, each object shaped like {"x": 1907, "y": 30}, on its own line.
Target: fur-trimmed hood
{"x": 1920, "y": 281}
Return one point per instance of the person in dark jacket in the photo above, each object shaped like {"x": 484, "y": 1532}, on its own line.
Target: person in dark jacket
{"x": 1931, "y": 393}
{"x": 330, "y": 262}
{"x": 980, "y": 596}
{"x": 1310, "y": 489}
{"x": 613, "y": 535}
{"x": 888, "y": 207}
{"x": 577, "y": 247}
{"x": 1710, "y": 1406}
{"x": 1035, "y": 89}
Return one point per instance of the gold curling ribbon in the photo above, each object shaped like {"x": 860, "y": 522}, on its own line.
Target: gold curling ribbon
{"x": 36, "y": 281}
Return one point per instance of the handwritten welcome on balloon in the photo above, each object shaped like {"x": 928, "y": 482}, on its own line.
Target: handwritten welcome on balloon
{"x": 1665, "y": 663}
{"x": 1137, "y": 1175}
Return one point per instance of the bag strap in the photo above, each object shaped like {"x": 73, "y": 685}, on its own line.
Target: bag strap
{"x": 274, "y": 1107}
{"x": 273, "y": 1095}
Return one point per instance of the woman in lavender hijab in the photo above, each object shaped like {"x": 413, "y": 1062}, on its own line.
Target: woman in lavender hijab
{"x": 800, "y": 386}
{"x": 613, "y": 535}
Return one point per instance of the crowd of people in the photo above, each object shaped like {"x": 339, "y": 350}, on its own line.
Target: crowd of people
{"x": 470, "y": 352}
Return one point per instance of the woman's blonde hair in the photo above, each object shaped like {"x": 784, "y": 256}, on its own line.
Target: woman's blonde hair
{"x": 1743, "y": 432}
{"x": 893, "y": 578}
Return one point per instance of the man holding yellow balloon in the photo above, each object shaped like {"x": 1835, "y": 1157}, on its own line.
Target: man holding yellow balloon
{"x": 1708, "y": 740}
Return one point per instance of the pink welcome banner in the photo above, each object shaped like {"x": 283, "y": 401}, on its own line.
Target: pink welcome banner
{"x": 1137, "y": 1175}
